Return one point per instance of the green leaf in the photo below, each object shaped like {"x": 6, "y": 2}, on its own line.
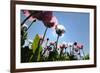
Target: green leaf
{"x": 36, "y": 49}
{"x": 38, "y": 53}
{"x": 35, "y": 43}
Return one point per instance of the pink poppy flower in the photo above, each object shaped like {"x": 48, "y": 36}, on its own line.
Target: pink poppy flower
{"x": 46, "y": 16}
{"x": 51, "y": 23}
{"x": 63, "y": 46}
{"x": 76, "y": 48}
{"x": 80, "y": 46}
{"x": 52, "y": 43}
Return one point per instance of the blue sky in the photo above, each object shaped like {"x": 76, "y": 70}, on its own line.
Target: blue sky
{"x": 76, "y": 24}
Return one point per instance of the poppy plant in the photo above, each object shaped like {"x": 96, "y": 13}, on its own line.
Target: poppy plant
{"x": 60, "y": 29}
{"x": 49, "y": 23}
{"x": 77, "y": 47}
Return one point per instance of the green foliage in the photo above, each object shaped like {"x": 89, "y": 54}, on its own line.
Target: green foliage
{"x": 24, "y": 50}
{"x": 23, "y": 36}
{"x": 53, "y": 56}
{"x": 71, "y": 56}
{"x": 86, "y": 57}
{"x": 25, "y": 54}
{"x": 36, "y": 49}
{"x": 35, "y": 43}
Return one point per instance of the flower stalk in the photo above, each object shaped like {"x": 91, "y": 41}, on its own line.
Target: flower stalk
{"x": 44, "y": 35}
{"x": 57, "y": 41}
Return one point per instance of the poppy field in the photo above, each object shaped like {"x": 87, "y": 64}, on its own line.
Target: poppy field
{"x": 43, "y": 47}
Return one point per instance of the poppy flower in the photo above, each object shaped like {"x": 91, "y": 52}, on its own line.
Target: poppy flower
{"x": 80, "y": 46}
{"x": 70, "y": 44}
{"x": 40, "y": 15}
{"x": 49, "y": 48}
{"x": 37, "y": 14}
{"x": 77, "y": 47}
{"x": 50, "y": 23}
{"x": 64, "y": 45}
{"x": 60, "y": 29}
{"x": 52, "y": 43}
{"x": 46, "y": 16}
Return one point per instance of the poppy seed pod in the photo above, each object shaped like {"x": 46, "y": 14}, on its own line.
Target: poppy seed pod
{"x": 47, "y": 39}
{"x": 75, "y": 43}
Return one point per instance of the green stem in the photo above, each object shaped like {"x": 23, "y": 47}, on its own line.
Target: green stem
{"x": 70, "y": 50}
{"x": 65, "y": 51}
{"x": 30, "y": 58}
{"x": 34, "y": 57}
{"x": 28, "y": 17}
{"x": 44, "y": 35}
{"x": 30, "y": 25}
{"x": 57, "y": 41}
{"x": 83, "y": 54}
{"x": 79, "y": 53}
